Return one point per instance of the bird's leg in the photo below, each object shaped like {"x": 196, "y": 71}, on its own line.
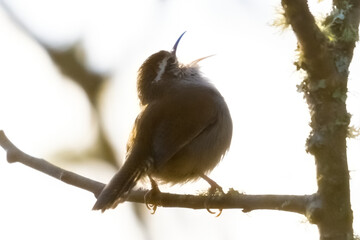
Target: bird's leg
{"x": 214, "y": 188}
{"x": 153, "y": 191}
{"x": 213, "y": 185}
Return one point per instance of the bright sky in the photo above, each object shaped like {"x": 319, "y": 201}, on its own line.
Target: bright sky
{"x": 43, "y": 114}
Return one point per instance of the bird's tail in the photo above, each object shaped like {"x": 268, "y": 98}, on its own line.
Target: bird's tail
{"x": 122, "y": 182}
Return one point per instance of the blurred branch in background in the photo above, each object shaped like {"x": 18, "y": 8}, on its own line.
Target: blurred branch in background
{"x": 70, "y": 62}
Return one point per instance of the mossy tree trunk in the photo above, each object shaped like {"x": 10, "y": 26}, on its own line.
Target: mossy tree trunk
{"x": 325, "y": 56}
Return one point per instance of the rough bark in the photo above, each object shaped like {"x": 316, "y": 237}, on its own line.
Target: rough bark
{"x": 326, "y": 60}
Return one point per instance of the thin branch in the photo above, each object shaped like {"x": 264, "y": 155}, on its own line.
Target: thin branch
{"x": 310, "y": 38}
{"x": 16, "y": 155}
{"x": 233, "y": 199}
{"x": 354, "y": 14}
{"x": 346, "y": 30}
{"x": 297, "y": 13}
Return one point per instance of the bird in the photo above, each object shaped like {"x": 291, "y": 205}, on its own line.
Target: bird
{"x": 182, "y": 132}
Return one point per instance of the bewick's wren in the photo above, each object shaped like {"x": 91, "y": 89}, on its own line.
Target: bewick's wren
{"x": 182, "y": 132}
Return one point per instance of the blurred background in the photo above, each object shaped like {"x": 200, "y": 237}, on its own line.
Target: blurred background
{"x": 67, "y": 94}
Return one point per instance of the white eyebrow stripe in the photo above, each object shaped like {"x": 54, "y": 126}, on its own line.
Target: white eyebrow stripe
{"x": 162, "y": 66}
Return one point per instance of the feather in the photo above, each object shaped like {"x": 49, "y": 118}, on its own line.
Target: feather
{"x": 122, "y": 182}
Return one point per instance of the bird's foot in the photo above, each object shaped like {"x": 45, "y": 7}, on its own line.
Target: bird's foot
{"x": 214, "y": 190}
{"x": 150, "y": 194}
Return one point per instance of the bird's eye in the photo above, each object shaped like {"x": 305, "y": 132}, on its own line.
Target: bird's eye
{"x": 171, "y": 61}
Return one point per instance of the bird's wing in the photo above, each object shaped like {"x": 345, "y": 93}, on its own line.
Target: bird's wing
{"x": 182, "y": 118}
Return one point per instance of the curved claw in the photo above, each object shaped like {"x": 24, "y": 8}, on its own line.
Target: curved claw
{"x": 154, "y": 190}
{"x": 207, "y": 205}
{"x": 215, "y": 189}
{"x": 151, "y": 207}
{"x": 211, "y": 212}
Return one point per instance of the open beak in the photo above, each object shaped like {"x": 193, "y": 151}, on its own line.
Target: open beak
{"x": 193, "y": 62}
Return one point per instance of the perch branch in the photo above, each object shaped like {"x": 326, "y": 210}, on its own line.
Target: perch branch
{"x": 233, "y": 199}
{"x": 16, "y": 155}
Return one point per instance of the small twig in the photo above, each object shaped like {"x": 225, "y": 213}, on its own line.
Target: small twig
{"x": 231, "y": 199}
